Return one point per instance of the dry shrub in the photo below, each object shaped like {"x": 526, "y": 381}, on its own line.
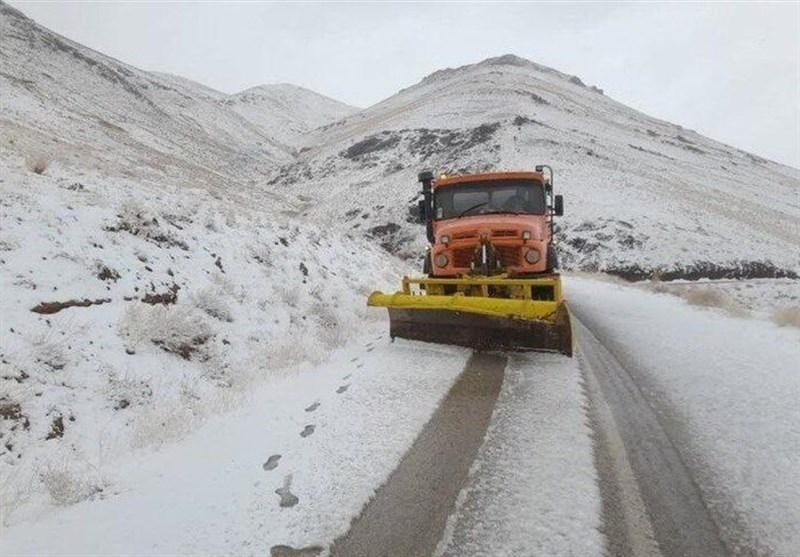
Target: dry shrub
{"x": 137, "y": 220}
{"x": 330, "y": 331}
{"x": 181, "y": 330}
{"x": 37, "y": 163}
{"x": 70, "y": 484}
{"x": 50, "y": 350}
{"x": 659, "y": 287}
{"x": 163, "y": 424}
{"x": 171, "y": 419}
{"x": 289, "y": 294}
{"x": 787, "y": 317}
{"x": 211, "y": 302}
{"x": 706, "y": 297}
{"x": 16, "y": 490}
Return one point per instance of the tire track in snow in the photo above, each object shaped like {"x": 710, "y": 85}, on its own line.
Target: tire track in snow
{"x": 409, "y": 512}
{"x": 652, "y": 506}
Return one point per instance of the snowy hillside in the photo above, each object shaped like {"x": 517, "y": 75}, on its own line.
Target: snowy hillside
{"x": 68, "y": 104}
{"x": 641, "y": 194}
{"x": 287, "y": 112}
{"x": 77, "y": 107}
{"x": 131, "y": 311}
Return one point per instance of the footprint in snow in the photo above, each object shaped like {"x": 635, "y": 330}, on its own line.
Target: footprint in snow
{"x": 312, "y": 407}
{"x": 308, "y": 430}
{"x": 359, "y": 366}
{"x": 368, "y": 345}
{"x": 346, "y": 377}
{"x": 288, "y": 499}
{"x": 354, "y": 360}
{"x": 342, "y": 389}
{"x": 272, "y": 462}
{"x": 370, "y": 349}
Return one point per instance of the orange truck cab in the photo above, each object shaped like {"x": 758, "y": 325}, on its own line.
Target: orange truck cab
{"x": 490, "y": 224}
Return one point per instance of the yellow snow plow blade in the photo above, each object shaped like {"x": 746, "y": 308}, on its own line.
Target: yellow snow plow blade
{"x": 486, "y": 313}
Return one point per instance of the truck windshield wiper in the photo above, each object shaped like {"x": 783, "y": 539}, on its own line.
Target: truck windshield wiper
{"x": 471, "y": 208}
{"x": 504, "y": 213}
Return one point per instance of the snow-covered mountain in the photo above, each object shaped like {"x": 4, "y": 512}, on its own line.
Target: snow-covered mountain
{"x": 80, "y": 108}
{"x": 77, "y": 107}
{"x": 641, "y": 194}
{"x": 287, "y": 112}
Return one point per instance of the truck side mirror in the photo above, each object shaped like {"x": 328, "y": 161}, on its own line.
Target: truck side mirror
{"x": 559, "y": 206}
{"x": 421, "y": 212}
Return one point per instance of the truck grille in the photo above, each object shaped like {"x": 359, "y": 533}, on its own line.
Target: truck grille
{"x": 462, "y": 257}
{"x": 504, "y": 233}
{"x": 509, "y": 256}
{"x": 469, "y": 234}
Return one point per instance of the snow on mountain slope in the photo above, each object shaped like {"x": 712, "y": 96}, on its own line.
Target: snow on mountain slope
{"x": 642, "y": 195}
{"x": 132, "y": 310}
{"x": 146, "y": 279}
{"x": 78, "y": 107}
{"x": 287, "y": 112}
{"x": 197, "y": 89}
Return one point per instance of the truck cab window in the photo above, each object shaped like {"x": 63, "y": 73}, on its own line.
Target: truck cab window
{"x": 510, "y": 196}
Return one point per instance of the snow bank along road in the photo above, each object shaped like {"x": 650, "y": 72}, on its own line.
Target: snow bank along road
{"x": 705, "y": 416}
{"x": 667, "y": 435}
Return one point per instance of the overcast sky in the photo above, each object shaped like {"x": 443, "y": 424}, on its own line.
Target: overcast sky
{"x": 728, "y": 70}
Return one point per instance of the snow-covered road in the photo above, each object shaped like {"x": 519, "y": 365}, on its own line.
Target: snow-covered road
{"x": 702, "y": 408}
{"x": 726, "y": 393}
{"x": 533, "y": 488}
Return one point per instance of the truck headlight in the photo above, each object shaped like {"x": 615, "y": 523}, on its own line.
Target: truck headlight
{"x": 445, "y": 240}
{"x": 441, "y": 260}
{"x": 526, "y": 235}
{"x": 532, "y": 256}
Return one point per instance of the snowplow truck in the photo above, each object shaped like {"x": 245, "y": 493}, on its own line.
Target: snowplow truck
{"x": 490, "y": 272}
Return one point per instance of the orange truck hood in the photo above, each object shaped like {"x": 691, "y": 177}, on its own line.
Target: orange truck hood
{"x": 486, "y": 224}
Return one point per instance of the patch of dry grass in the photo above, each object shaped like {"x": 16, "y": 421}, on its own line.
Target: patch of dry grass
{"x": 180, "y": 330}
{"x": 706, "y": 297}
{"x": 787, "y": 317}
{"x": 37, "y": 163}
{"x": 68, "y": 484}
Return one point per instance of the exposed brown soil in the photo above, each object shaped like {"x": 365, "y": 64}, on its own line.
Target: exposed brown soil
{"x": 107, "y": 273}
{"x": 13, "y": 411}
{"x": 165, "y": 298}
{"x": 56, "y": 428}
{"x": 48, "y": 308}
{"x": 185, "y": 349}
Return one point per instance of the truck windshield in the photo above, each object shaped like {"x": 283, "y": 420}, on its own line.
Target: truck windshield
{"x": 492, "y": 196}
